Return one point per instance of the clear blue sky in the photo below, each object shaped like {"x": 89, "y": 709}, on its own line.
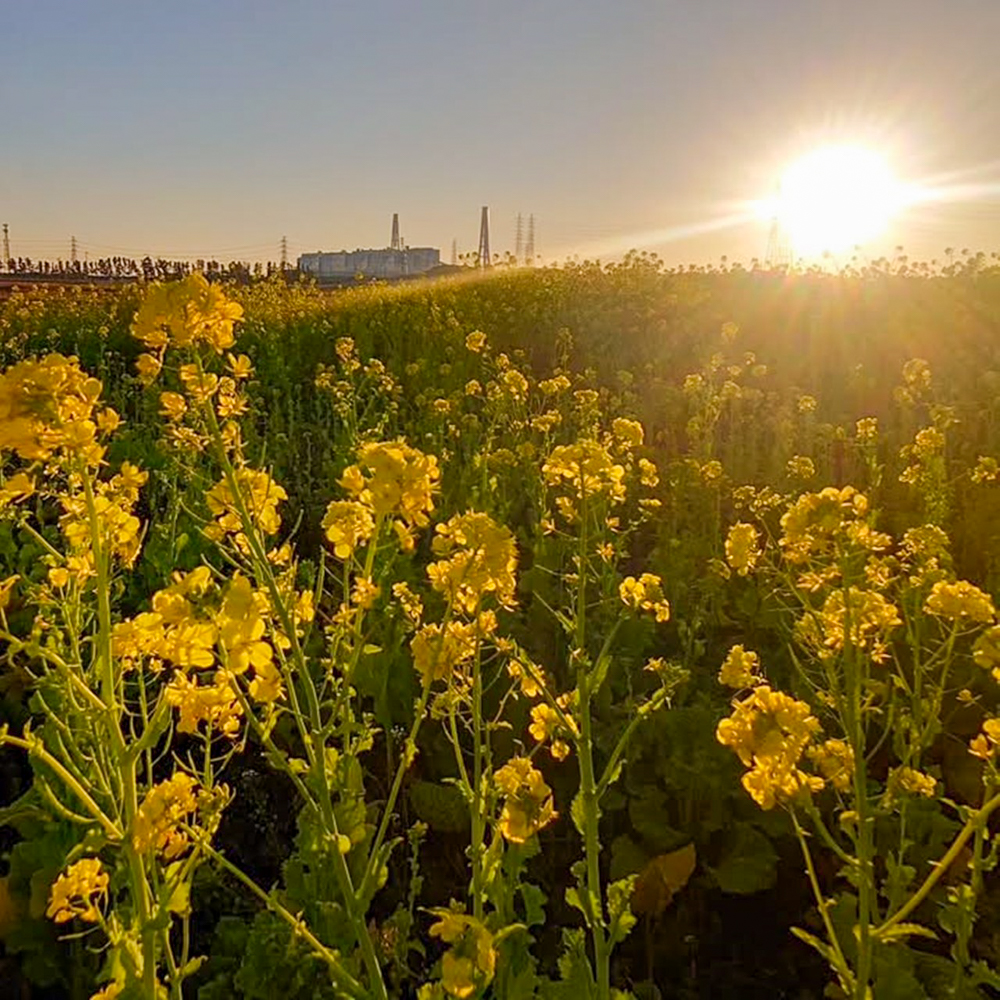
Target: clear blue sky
{"x": 217, "y": 126}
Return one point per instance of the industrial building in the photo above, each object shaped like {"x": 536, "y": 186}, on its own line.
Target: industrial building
{"x": 370, "y": 263}
{"x": 396, "y": 261}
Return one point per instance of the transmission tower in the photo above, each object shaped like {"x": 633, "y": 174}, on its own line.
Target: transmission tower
{"x": 454, "y": 252}
{"x": 6, "y": 247}
{"x": 484, "y": 238}
{"x": 779, "y": 247}
{"x": 529, "y": 249}
{"x": 284, "y": 252}
{"x": 397, "y": 243}
{"x": 72, "y": 249}
{"x": 519, "y": 240}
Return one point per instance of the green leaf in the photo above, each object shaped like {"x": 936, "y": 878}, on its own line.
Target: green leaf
{"x": 534, "y": 904}
{"x": 441, "y": 807}
{"x": 574, "y": 899}
{"x": 599, "y": 673}
{"x": 652, "y": 819}
{"x": 621, "y": 918}
{"x": 899, "y": 932}
{"x": 627, "y": 857}
{"x": 578, "y": 814}
{"x": 984, "y": 974}
{"x": 748, "y": 863}
{"x": 821, "y": 946}
{"x": 177, "y": 895}
{"x": 576, "y": 978}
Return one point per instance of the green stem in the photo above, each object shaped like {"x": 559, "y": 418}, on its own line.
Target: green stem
{"x": 976, "y": 820}
{"x": 588, "y": 783}
{"x": 124, "y": 761}
{"x": 842, "y": 968}
{"x": 337, "y": 972}
{"x": 478, "y": 804}
{"x": 317, "y": 755}
{"x": 409, "y": 753}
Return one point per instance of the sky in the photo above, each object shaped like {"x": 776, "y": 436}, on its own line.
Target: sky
{"x": 216, "y": 127}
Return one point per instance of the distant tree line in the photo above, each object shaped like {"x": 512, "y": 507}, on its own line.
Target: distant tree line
{"x": 148, "y": 269}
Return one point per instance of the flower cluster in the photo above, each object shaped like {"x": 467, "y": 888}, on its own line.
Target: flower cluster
{"x": 438, "y": 651}
{"x": 348, "y": 525}
{"x": 863, "y": 619}
{"x": 527, "y": 803}
{"x": 770, "y": 731}
{"x": 585, "y": 469}
{"x": 75, "y": 892}
{"x": 478, "y": 557}
{"x": 260, "y": 495}
{"x": 740, "y": 669}
{"x": 835, "y": 760}
{"x": 117, "y": 527}
{"x": 961, "y": 602}
{"x": 645, "y": 594}
{"x": 185, "y": 314}
{"x": 742, "y": 548}
{"x": 554, "y": 727}
{"x": 393, "y": 479}
{"x": 815, "y": 523}
{"x": 47, "y": 410}
{"x": 181, "y": 631}
{"x": 165, "y": 806}
{"x": 468, "y": 966}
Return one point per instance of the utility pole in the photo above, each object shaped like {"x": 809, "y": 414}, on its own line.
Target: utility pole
{"x": 485, "y": 260}
{"x": 72, "y": 249}
{"x": 529, "y": 250}
{"x": 454, "y": 252}
{"x": 284, "y": 253}
{"x": 519, "y": 240}
{"x": 6, "y": 248}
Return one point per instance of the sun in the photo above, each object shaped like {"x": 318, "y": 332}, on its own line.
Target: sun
{"x": 834, "y": 199}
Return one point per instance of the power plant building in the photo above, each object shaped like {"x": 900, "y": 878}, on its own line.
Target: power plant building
{"x": 388, "y": 263}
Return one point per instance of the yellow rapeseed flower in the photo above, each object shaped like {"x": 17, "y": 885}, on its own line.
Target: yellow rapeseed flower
{"x": 742, "y": 550}
{"x": 645, "y": 594}
{"x": 835, "y": 760}
{"x": 437, "y": 654}
{"x": 740, "y": 669}
{"x": 475, "y": 341}
{"x": 393, "y": 478}
{"x": 628, "y": 433}
{"x": 469, "y": 964}
{"x": 906, "y": 779}
{"x": 769, "y": 731}
{"x": 214, "y": 703}
{"x": 960, "y": 601}
{"x": 74, "y": 893}
{"x": 528, "y": 802}
{"x": 348, "y": 524}
{"x": 479, "y": 558}
{"x": 165, "y": 805}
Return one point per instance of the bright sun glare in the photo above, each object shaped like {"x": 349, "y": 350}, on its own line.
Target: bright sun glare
{"x": 834, "y": 199}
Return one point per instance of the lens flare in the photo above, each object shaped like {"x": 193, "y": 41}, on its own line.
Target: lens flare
{"x": 836, "y": 198}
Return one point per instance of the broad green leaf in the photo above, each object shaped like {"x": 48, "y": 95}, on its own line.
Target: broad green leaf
{"x": 627, "y": 857}
{"x": 748, "y": 863}
{"x": 441, "y": 807}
